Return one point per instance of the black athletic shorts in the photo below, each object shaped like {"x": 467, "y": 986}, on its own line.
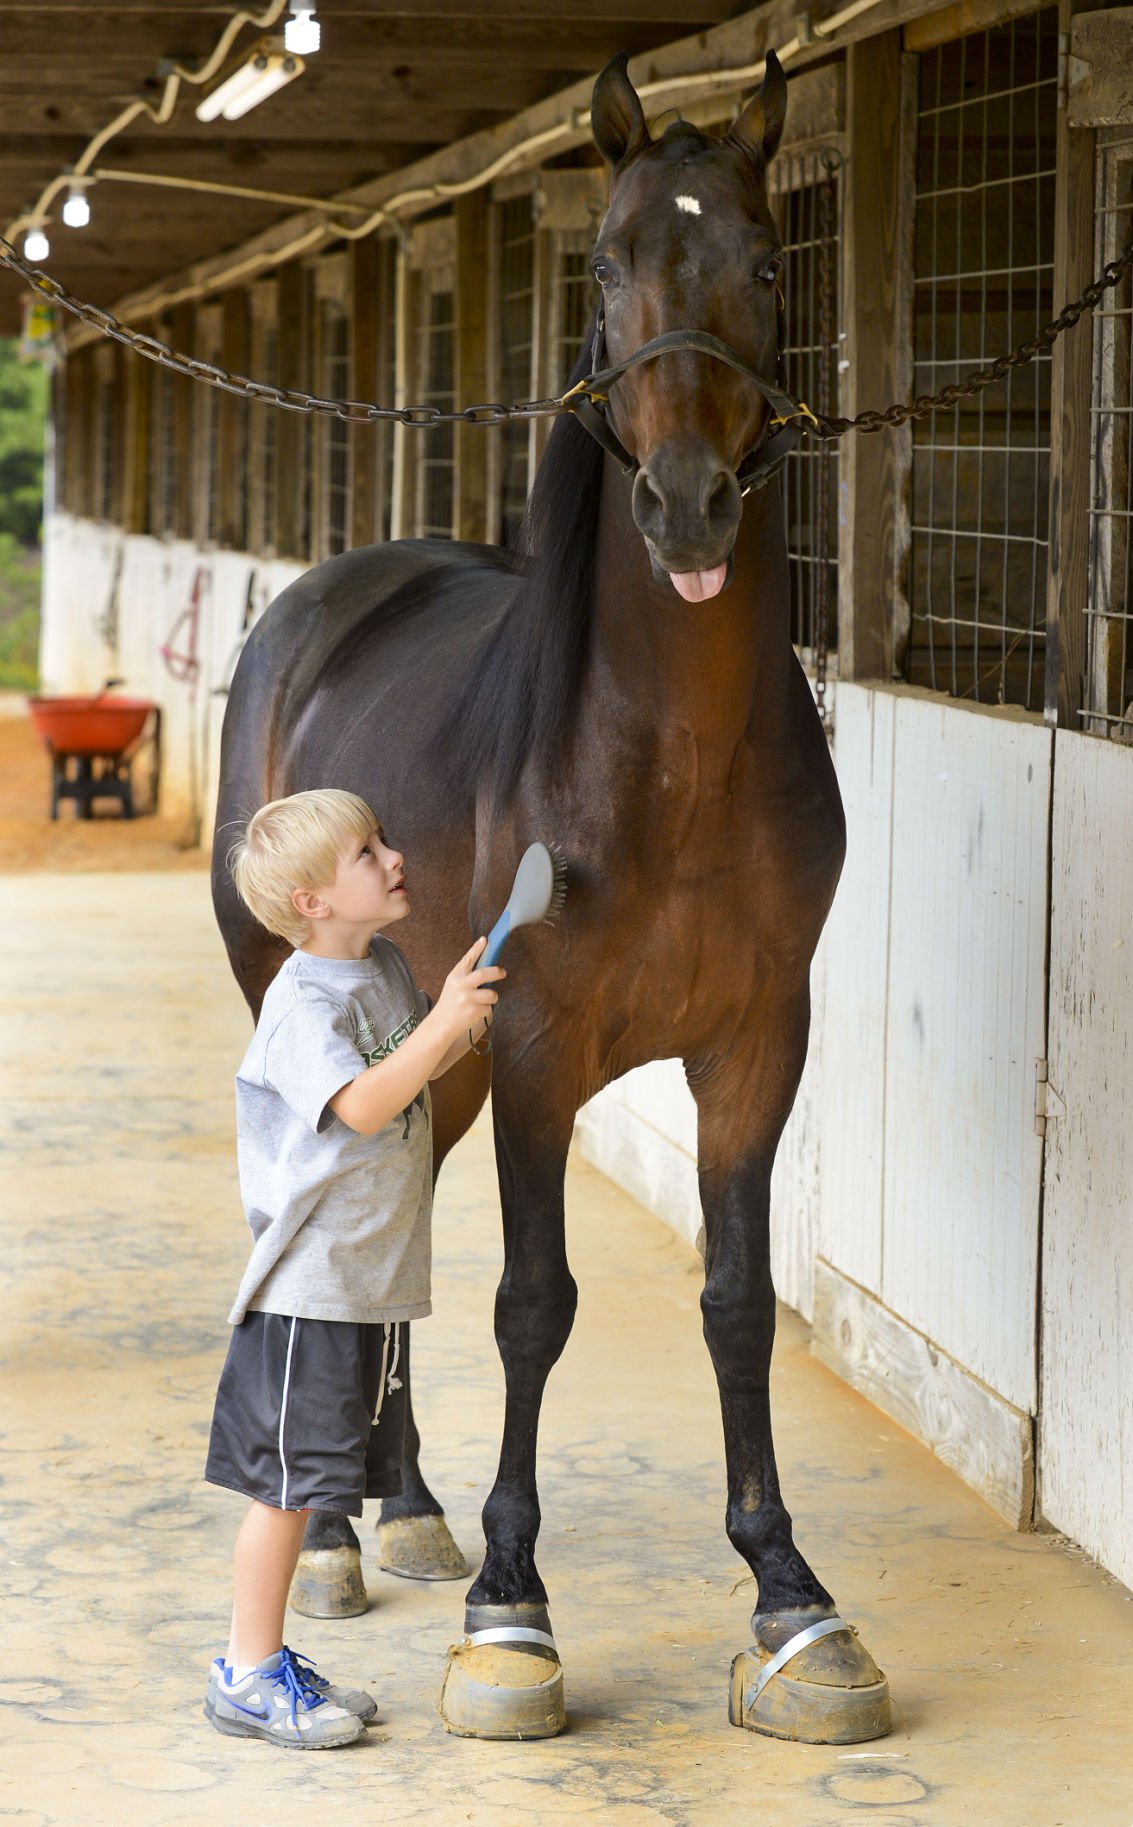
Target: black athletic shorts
{"x": 293, "y": 1424}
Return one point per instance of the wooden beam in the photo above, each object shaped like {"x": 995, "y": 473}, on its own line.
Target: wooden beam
{"x": 873, "y": 556}
{"x": 1071, "y": 386}
{"x": 470, "y": 494}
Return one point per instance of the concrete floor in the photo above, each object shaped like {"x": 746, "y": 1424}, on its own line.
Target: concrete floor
{"x": 1010, "y": 1657}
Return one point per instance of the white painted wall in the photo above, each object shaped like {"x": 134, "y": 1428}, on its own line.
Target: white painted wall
{"x": 87, "y": 638}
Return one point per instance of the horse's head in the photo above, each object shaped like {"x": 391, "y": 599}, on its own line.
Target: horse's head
{"x": 688, "y": 243}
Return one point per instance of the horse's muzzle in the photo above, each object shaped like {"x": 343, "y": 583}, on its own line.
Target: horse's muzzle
{"x": 687, "y": 505}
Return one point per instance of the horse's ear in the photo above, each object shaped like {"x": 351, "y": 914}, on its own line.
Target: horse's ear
{"x": 759, "y": 128}
{"x": 616, "y": 119}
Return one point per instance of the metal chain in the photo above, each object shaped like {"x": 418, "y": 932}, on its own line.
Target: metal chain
{"x": 980, "y": 378}
{"x": 363, "y": 412}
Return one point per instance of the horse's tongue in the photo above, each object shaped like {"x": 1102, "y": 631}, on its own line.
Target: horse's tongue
{"x": 698, "y": 586}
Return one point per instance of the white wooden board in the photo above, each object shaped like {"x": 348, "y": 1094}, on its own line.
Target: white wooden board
{"x": 1086, "y": 1418}
{"x": 965, "y": 1028}
{"x": 852, "y": 1092}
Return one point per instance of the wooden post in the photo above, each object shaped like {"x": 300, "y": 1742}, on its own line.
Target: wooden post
{"x": 291, "y": 467}
{"x": 470, "y": 492}
{"x": 1070, "y": 390}
{"x": 873, "y": 554}
{"x": 364, "y": 342}
{"x": 232, "y": 431}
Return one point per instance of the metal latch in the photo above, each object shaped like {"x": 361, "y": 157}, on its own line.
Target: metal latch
{"x": 1048, "y": 1101}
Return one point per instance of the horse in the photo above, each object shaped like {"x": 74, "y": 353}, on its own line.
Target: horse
{"x": 624, "y": 683}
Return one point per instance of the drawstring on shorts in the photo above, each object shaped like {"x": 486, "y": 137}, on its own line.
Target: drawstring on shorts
{"x": 388, "y": 1381}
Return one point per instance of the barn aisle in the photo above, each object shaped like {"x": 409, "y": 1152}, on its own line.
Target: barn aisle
{"x": 1010, "y": 1657}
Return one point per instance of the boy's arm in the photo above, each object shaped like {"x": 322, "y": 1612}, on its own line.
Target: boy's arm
{"x": 377, "y": 1095}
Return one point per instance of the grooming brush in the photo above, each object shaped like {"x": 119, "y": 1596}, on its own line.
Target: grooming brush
{"x": 537, "y": 893}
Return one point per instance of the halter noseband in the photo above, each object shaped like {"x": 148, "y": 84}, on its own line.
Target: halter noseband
{"x": 588, "y": 398}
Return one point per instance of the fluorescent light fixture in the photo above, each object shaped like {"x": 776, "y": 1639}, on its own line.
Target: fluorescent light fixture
{"x": 264, "y": 73}
{"x": 301, "y": 31}
{"x": 36, "y": 245}
{"x": 76, "y": 210}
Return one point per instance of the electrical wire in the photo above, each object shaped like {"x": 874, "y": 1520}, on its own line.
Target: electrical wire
{"x": 396, "y": 209}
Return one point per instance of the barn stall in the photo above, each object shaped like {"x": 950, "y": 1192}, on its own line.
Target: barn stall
{"x": 952, "y": 1194}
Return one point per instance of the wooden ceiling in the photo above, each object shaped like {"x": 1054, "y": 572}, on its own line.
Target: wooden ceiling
{"x": 392, "y": 81}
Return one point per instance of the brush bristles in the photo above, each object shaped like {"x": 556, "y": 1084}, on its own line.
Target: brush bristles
{"x": 558, "y": 893}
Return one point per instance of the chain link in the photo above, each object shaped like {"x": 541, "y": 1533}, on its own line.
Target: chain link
{"x": 364, "y": 412}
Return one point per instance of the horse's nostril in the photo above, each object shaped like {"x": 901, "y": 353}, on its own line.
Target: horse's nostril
{"x": 721, "y": 504}
{"x": 648, "y": 502}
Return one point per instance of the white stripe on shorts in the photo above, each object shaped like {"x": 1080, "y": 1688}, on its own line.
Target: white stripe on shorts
{"x": 283, "y": 1412}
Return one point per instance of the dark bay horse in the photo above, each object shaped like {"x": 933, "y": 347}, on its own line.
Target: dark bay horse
{"x": 625, "y": 687}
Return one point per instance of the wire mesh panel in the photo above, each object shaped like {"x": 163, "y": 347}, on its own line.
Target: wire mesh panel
{"x": 436, "y": 356}
{"x": 806, "y": 198}
{"x": 574, "y": 300}
{"x": 515, "y": 255}
{"x": 1108, "y": 707}
{"x": 106, "y": 448}
{"x": 983, "y": 281}
{"x": 206, "y": 433}
{"x": 163, "y": 478}
{"x": 334, "y": 434}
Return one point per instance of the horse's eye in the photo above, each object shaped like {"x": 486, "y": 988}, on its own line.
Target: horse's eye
{"x": 770, "y": 270}
{"x": 603, "y": 271}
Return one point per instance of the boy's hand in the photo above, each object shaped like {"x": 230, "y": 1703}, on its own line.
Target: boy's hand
{"x": 467, "y": 998}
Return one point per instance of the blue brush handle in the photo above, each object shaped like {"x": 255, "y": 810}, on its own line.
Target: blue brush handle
{"x": 497, "y": 939}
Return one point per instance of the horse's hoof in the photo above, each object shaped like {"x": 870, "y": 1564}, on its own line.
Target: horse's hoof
{"x": 328, "y": 1583}
{"x": 420, "y": 1548}
{"x": 504, "y": 1680}
{"x": 820, "y": 1689}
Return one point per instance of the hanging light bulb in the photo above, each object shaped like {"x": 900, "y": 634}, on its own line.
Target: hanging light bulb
{"x": 36, "y": 245}
{"x": 301, "y": 31}
{"x": 76, "y": 210}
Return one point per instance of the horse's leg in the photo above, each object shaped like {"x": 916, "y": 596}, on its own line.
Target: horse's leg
{"x": 830, "y": 1690}
{"x": 505, "y": 1680}
{"x": 414, "y": 1539}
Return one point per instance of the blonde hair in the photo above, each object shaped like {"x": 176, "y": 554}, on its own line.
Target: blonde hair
{"x": 292, "y": 843}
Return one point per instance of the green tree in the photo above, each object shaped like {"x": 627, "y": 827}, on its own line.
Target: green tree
{"x": 23, "y": 408}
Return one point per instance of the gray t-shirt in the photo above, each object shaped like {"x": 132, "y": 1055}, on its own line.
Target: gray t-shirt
{"x": 340, "y": 1222}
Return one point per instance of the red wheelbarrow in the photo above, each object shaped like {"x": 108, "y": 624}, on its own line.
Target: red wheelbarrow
{"x": 92, "y": 742}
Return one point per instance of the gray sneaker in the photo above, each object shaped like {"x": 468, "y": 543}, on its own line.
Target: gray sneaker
{"x": 278, "y": 1701}
{"x": 351, "y": 1699}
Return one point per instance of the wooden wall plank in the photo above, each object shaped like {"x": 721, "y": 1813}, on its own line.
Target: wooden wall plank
{"x": 965, "y": 1027}
{"x": 1086, "y": 1419}
{"x": 986, "y": 1440}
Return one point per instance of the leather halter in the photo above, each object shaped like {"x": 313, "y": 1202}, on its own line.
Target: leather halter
{"x": 588, "y": 399}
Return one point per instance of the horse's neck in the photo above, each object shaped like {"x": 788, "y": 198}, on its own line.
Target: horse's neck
{"x": 716, "y": 669}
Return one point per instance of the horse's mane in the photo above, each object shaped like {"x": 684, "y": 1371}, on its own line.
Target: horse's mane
{"x": 517, "y": 700}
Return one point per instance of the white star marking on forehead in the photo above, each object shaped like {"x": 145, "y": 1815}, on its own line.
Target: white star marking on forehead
{"x": 689, "y": 204}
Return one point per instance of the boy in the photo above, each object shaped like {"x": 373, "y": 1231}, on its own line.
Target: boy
{"x": 335, "y": 1156}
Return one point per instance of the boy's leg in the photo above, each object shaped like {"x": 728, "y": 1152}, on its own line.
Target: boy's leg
{"x": 263, "y": 1562}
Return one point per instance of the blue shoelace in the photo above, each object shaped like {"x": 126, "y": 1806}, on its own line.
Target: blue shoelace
{"x": 295, "y": 1675}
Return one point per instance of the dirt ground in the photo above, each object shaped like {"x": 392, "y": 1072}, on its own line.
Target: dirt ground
{"x": 30, "y": 839}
